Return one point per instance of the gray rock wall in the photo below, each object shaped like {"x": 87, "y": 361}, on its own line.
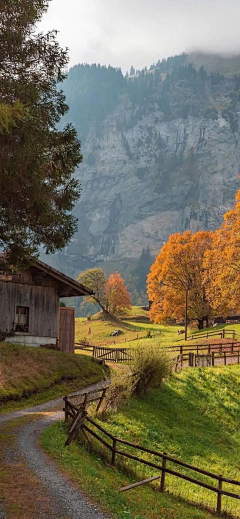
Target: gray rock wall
{"x": 144, "y": 177}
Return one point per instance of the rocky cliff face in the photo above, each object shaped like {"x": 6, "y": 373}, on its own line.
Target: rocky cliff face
{"x": 145, "y": 176}
{"x": 162, "y": 161}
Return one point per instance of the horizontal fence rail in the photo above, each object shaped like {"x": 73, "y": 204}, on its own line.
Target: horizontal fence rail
{"x": 224, "y": 334}
{"x": 188, "y": 355}
{"x": 215, "y": 346}
{"x": 113, "y": 443}
{"x": 193, "y": 360}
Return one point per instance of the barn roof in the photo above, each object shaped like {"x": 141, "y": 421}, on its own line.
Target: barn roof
{"x": 67, "y": 287}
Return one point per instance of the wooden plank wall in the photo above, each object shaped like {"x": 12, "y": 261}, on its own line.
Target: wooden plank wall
{"x": 43, "y": 303}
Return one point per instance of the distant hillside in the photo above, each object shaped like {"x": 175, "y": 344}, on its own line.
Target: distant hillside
{"x": 161, "y": 155}
{"x": 228, "y": 66}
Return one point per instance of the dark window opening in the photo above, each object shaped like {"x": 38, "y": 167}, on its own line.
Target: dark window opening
{"x": 22, "y": 319}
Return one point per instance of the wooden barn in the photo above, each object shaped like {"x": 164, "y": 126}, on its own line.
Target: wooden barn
{"x": 29, "y": 305}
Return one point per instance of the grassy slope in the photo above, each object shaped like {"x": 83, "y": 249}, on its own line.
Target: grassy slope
{"x": 101, "y": 482}
{"x": 195, "y": 417}
{"x": 25, "y": 371}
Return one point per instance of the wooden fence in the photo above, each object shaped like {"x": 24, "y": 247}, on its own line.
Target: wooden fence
{"x": 123, "y": 355}
{"x": 224, "y": 334}
{"x": 194, "y": 360}
{"x": 220, "y": 346}
{"x": 75, "y": 408}
{"x": 85, "y": 424}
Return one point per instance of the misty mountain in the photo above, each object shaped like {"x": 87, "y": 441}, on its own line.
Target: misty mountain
{"x": 161, "y": 155}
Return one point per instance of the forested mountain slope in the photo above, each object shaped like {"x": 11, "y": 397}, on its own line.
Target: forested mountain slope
{"x": 161, "y": 154}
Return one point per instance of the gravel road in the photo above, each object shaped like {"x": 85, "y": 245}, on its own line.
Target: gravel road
{"x": 66, "y": 502}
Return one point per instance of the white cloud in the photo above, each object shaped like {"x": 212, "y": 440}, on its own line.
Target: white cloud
{"x": 140, "y": 32}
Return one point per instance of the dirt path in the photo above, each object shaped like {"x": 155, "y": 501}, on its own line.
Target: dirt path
{"x": 40, "y": 490}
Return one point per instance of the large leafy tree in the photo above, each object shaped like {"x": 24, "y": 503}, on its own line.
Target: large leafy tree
{"x": 176, "y": 280}
{"x": 37, "y": 160}
{"x": 222, "y": 264}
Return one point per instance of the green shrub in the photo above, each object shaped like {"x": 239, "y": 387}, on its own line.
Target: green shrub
{"x": 119, "y": 392}
{"x": 150, "y": 365}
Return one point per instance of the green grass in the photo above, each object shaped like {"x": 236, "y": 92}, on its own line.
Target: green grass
{"x": 101, "y": 482}
{"x": 101, "y": 332}
{"x": 166, "y": 335}
{"x": 26, "y": 371}
{"x": 194, "y": 417}
{"x": 137, "y": 311}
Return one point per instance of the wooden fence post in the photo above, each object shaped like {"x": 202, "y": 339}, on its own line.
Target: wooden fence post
{"x": 232, "y": 345}
{"x": 219, "y": 496}
{"x": 225, "y": 359}
{"x": 209, "y": 349}
{"x": 164, "y": 463}
{"x": 66, "y": 409}
{"x": 191, "y": 359}
{"x": 238, "y": 356}
{"x": 114, "y": 452}
{"x": 213, "y": 359}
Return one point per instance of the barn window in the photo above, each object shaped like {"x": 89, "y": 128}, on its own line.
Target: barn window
{"x": 22, "y": 319}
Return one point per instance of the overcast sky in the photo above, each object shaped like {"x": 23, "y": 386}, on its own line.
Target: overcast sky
{"x": 139, "y": 32}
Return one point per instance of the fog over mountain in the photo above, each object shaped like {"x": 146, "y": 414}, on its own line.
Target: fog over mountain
{"x": 136, "y": 32}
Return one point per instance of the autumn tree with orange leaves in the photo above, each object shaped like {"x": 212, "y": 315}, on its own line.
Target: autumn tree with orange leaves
{"x": 222, "y": 264}
{"x": 176, "y": 282}
{"x": 118, "y": 299}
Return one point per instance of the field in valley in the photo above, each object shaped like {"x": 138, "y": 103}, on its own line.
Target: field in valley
{"x": 97, "y": 332}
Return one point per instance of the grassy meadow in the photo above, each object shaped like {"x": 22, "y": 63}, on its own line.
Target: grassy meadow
{"x": 135, "y": 332}
{"x": 195, "y": 417}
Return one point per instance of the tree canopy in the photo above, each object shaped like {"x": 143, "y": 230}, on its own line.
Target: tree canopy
{"x": 178, "y": 274}
{"x": 118, "y": 299}
{"x": 37, "y": 160}
{"x": 222, "y": 264}
{"x": 111, "y": 294}
{"x": 96, "y": 280}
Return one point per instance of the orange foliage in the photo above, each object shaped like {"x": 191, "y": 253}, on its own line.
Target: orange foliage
{"x": 117, "y": 297}
{"x": 179, "y": 269}
{"x": 222, "y": 264}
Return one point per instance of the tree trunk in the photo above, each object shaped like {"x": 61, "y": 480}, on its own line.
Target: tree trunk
{"x": 186, "y": 313}
{"x": 200, "y": 324}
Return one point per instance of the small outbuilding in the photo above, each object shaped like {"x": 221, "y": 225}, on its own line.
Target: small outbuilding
{"x": 29, "y": 305}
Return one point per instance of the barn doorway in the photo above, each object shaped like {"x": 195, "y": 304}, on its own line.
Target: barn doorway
{"x": 66, "y": 337}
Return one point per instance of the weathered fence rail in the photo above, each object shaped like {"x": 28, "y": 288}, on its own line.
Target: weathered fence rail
{"x": 112, "y": 354}
{"x": 112, "y": 443}
{"x": 223, "y": 334}
{"x": 75, "y": 408}
{"x": 217, "y": 346}
{"x": 123, "y": 355}
{"x": 194, "y": 360}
